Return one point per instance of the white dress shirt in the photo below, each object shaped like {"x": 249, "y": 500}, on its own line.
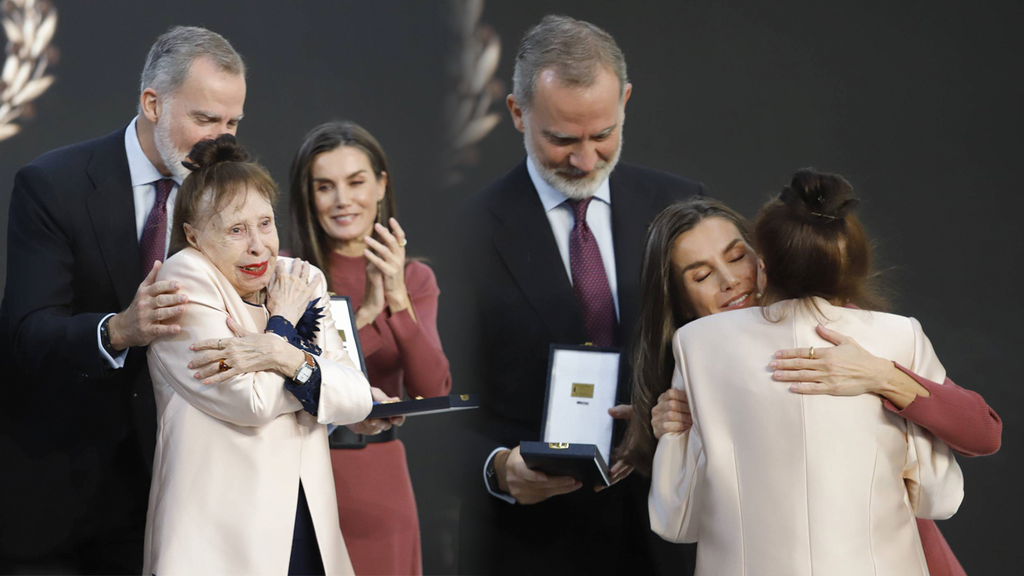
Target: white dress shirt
{"x": 560, "y": 216}
{"x": 144, "y": 178}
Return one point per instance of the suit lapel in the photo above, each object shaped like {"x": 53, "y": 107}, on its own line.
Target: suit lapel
{"x": 631, "y": 211}
{"x": 112, "y": 211}
{"x": 527, "y": 246}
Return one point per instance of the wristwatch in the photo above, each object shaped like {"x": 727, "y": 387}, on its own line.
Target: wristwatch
{"x": 305, "y": 371}
{"x": 105, "y": 337}
{"x": 491, "y": 475}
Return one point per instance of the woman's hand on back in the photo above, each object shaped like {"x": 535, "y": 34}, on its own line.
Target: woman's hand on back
{"x": 671, "y": 414}
{"x": 846, "y": 369}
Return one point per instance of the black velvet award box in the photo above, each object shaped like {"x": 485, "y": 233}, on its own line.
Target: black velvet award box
{"x": 423, "y": 406}
{"x": 577, "y": 431}
{"x": 581, "y": 461}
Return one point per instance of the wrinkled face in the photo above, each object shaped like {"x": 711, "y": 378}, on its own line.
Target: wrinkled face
{"x": 208, "y": 104}
{"x": 240, "y": 240}
{"x": 715, "y": 268}
{"x": 346, "y": 193}
{"x": 573, "y": 134}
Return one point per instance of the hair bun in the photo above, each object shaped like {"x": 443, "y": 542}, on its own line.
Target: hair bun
{"x": 819, "y": 197}
{"x": 206, "y": 153}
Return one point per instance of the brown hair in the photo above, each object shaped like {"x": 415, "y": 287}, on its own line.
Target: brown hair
{"x": 310, "y": 241}
{"x": 813, "y": 245}
{"x": 221, "y": 169}
{"x": 662, "y": 311}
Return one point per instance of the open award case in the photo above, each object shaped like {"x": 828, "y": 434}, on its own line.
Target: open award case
{"x": 577, "y": 431}
{"x": 345, "y": 324}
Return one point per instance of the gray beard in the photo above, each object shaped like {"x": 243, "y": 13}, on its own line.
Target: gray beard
{"x": 170, "y": 155}
{"x": 571, "y": 188}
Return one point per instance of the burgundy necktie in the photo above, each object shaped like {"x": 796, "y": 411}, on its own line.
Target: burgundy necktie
{"x": 154, "y": 235}
{"x": 589, "y": 281}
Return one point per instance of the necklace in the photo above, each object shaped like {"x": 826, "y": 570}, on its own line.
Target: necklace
{"x": 260, "y": 300}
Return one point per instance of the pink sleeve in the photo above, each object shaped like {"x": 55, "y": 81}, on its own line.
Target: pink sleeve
{"x": 957, "y": 416}
{"x": 424, "y": 364}
{"x": 370, "y": 339}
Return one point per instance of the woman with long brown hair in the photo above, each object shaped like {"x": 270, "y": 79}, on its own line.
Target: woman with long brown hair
{"x": 344, "y": 213}
{"x": 711, "y": 243}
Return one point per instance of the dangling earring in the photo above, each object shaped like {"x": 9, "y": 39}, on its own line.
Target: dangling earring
{"x": 378, "y": 210}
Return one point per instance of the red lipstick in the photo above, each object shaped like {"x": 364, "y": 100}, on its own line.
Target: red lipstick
{"x": 255, "y": 270}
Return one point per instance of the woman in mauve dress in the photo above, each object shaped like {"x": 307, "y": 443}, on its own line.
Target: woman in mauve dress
{"x": 343, "y": 209}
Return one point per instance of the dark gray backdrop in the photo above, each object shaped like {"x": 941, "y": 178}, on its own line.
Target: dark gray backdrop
{"x": 919, "y": 105}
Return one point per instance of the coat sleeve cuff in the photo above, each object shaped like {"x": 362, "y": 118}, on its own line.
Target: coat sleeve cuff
{"x": 487, "y": 484}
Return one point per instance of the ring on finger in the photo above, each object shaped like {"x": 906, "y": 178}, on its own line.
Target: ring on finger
{"x": 219, "y": 346}
{"x": 224, "y": 366}
{"x": 811, "y": 351}
{"x": 403, "y": 242}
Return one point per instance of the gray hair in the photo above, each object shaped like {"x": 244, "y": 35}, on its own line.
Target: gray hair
{"x": 171, "y": 57}
{"x": 575, "y": 50}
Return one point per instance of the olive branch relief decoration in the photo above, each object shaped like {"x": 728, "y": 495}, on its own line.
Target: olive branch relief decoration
{"x": 29, "y": 26}
{"x": 473, "y": 87}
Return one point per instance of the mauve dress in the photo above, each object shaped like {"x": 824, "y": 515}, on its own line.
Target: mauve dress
{"x": 376, "y": 504}
{"x": 963, "y": 420}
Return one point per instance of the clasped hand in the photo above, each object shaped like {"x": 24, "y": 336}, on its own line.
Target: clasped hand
{"x": 372, "y": 426}
{"x": 385, "y": 274}
{"x": 246, "y": 352}
{"x": 290, "y": 291}
{"x": 529, "y": 486}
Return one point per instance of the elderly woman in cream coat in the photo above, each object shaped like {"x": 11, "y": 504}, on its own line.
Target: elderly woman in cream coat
{"x": 243, "y": 398}
{"x": 771, "y": 482}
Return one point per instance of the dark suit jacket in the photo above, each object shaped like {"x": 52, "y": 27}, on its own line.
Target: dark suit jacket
{"x": 524, "y": 303}
{"x": 70, "y": 425}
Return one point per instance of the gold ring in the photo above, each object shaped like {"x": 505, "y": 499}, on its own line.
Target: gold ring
{"x": 403, "y": 242}
{"x": 812, "y": 352}
{"x": 224, "y": 366}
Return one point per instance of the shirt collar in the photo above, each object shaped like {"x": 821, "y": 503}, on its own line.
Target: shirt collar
{"x": 142, "y": 170}
{"x": 552, "y": 198}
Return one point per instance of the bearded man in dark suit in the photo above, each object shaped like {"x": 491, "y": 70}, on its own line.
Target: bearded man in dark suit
{"x": 88, "y": 223}
{"x": 555, "y": 248}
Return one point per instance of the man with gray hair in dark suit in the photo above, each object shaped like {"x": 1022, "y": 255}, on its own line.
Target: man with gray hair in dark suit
{"x": 89, "y": 224}
{"x": 555, "y": 248}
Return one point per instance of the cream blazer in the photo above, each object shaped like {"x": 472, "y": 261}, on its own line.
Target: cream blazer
{"x": 229, "y": 457}
{"x": 769, "y": 482}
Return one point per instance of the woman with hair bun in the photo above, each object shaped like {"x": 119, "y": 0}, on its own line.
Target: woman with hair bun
{"x": 790, "y": 483}
{"x": 242, "y": 480}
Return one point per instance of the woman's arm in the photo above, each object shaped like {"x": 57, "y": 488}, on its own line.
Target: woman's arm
{"x": 252, "y": 399}
{"x": 676, "y": 476}
{"x": 959, "y": 417}
{"x": 425, "y": 366}
{"x": 933, "y": 479}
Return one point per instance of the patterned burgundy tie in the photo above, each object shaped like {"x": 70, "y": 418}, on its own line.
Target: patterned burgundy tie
{"x": 154, "y": 235}
{"x": 589, "y": 281}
